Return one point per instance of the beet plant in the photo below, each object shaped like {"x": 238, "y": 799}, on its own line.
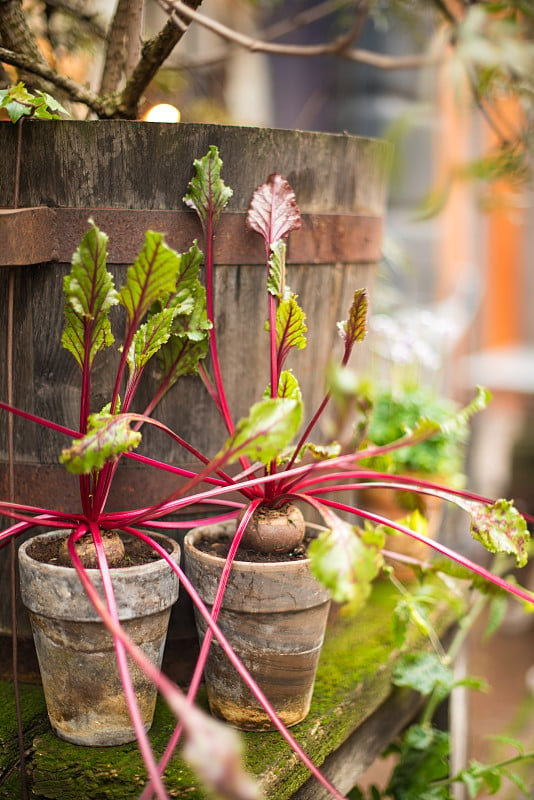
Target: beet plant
{"x": 172, "y": 318}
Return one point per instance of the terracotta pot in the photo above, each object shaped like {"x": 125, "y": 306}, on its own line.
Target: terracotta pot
{"x": 81, "y": 682}
{"x": 274, "y": 615}
{"x": 396, "y": 504}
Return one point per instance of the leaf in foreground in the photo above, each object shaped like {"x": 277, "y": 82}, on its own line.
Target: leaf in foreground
{"x": 152, "y": 276}
{"x": 207, "y": 193}
{"x": 89, "y": 295}
{"x": 214, "y": 752}
{"x": 268, "y": 429}
{"x": 346, "y": 560}
{"x": 107, "y": 438}
{"x": 500, "y": 528}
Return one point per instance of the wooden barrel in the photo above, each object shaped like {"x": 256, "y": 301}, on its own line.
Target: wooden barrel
{"x": 130, "y": 176}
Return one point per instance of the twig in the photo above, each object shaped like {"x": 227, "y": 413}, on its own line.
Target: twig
{"x": 153, "y": 54}
{"x": 76, "y": 91}
{"x": 339, "y": 46}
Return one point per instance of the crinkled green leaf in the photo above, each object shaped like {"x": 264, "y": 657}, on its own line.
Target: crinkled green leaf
{"x": 151, "y": 277}
{"x": 290, "y": 326}
{"x": 189, "y": 340}
{"x": 273, "y": 211}
{"x": 457, "y": 424}
{"x": 500, "y": 528}
{"x": 89, "y": 295}
{"x": 423, "y": 758}
{"x": 181, "y": 355}
{"x": 276, "y": 281}
{"x": 288, "y": 386}
{"x": 270, "y": 426}
{"x": 322, "y": 452}
{"x": 423, "y": 672}
{"x": 108, "y": 436}
{"x": 207, "y": 193}
{"x": 149, "y": 338}
{"x": 354, "y": 329}
{"x": 189, "y": 290}
{"x": 344, "y": 562}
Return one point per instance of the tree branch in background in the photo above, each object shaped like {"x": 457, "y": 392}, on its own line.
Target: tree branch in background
{"x": 76, "y": 11}
{"x": 153, "y": 54}
{"x": 115, "y": 49}
{"x": 123, "y": 49}
{"x": 177, "y": 10}
{"x": 75, "y": 91}
{"x": 16, "y": 36}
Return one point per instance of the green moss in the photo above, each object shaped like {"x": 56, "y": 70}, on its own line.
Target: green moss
{"x": 353, "y": 680}
{"x": 34, "y": 719}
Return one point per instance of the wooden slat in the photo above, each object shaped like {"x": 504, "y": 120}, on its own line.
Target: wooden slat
{"x": 41, "y": 235}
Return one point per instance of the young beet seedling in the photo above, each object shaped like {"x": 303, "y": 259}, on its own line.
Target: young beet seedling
{"x": 277, "y": 475}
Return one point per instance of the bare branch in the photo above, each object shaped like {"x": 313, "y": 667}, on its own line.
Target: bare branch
{"x": 153, "y": 54}
{"x": 115, "y": 49}
{"x": 134, "y": 34}
{"x": 15, "y": 35}
{"x": 339, "y": 46}
{"x": 74, "y": 90}
{"x": 304, "y": 18}
{"x": 90, "y": 21}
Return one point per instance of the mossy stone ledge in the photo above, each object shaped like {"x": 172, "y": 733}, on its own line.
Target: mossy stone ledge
{"x": 355, "y": 713}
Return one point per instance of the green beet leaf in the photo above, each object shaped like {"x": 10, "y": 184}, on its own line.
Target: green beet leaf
{"x": 188, "y": 286}
{"x": 89, "y": 294}
{"x": 189, "y": 340}
{"x": 500, "y": 528}
{"x": 354, "y": 329}
{"x": 107, "y": 438}
{"x": 270, "y": 426}
{"x": 344, "y": 562}
{"x": 149, "y": 338}
{"x": 423, "y": 672}
{"x": 207, "y": 193}
{"x": 152, "y": 276}
{"x": 181, "y": 355}
{"x": 290, "y": 326}
{"x": 288, "y": 386}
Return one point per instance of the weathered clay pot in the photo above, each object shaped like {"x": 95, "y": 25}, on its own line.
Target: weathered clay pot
{"x": 81, "y": 682}
{"x": 274, "y": 616}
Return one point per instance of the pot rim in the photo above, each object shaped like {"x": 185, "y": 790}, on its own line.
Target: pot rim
{"x": 193, "y": 533}
{"x": 59, "y": 569}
